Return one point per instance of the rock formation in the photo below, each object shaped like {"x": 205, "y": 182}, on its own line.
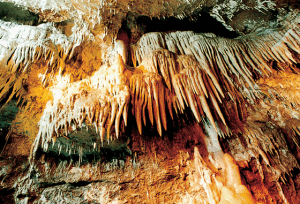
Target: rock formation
{"x": 172, "y": 101}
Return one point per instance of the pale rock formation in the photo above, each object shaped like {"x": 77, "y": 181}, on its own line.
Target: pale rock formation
{"x": 175, "y": 72}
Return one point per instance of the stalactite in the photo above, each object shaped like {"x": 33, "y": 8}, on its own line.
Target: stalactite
{"x": 23, "y": 45}
{"x": 193, "y": 66}
{"x": 91, "y": 100}
{"x": 148, "y": 90}
{"x": 185, "y": 68}
{"x": 28, "y": 43}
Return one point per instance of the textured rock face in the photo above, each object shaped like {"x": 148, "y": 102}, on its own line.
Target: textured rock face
{"x": 149, "y": 101}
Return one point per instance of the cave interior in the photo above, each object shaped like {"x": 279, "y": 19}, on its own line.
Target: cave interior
{"x": 175, "y": 101}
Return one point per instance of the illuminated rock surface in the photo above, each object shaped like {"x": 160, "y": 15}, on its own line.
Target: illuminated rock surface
{"x": 170, "y": 101}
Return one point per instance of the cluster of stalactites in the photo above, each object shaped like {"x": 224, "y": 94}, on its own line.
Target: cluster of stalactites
{"x": 200, "y": 71}
{"x": 100, "y": 100}
{"x": 234, "y": 58}
{"x": 261, "y": 144}
{"x": 147, "y": 91}
{"x": 23, "y": 44}
{"x": 187, "y": 85}
{"x": 176, "y": 70}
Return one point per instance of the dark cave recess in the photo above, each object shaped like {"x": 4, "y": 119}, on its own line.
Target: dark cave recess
{"x": 203, "y": 23}
{"x": 12, "y": 13}
{"x": 135, "y": 26}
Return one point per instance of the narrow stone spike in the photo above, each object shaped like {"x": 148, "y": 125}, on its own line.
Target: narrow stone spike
{"x": 150, "y": 109}
{"x": 172, "y": 67}
{"x": 133, "y": 57}
{"x": 135, "y": 92}
{"x": 164, "y": 69}
{"x": 125, "y": 113}
{"x": 26, "y": 55}
{"x": 169, "y": 103}
{"x": 47, "y": 53}
{"x": 181, "y": 87}
{"x": 114, "y": 106}
{"x": 141, "y": 98}
{"x": 22, "y": 56}
{"x": 149, "y": 100}
{"x": 197, "y": 77}
{"x": 290, "y": 37}
{"x": 177, "y": 90}
{"x": 138, "y": 115}
{"x": 216, "y": 84}
{"x": 53, "y": 140}
{"x": 295, "y": 35}
{"x": 132, "y": 84}
{"x": 206, "y": 68}
{"x": 206, "y": 110}
{"x": 255, "y": 56}
{"x": 287, "y": 57}
{"x": 33, "y": 53}
{"x": 195, "y": 86}
{"x": 156, "y": 106}
{"x": 214, "y": 89}
{"x": 220, "y": 64}
{"x": 102, "y": 132}
{"x": 106, "y": 112}
{"x": 269, "y": 50}
{"x": 249, "y": 60}
{"x": 192, "y": 104}
{"x": 238, "y": 63}
{"x": 217, "y": 108}
{"x": 199, "y": 106}
{"x": 145, "y": 101}
{"x": 162, "y": 106}
{"x": 229, "y": 65}
{"x": 292, "y": 46}
{"x": 174, "y": 102}
{"x": 117, "y": 121}
{"x": 39, "y": 53}
{"x": 66, "y": 128}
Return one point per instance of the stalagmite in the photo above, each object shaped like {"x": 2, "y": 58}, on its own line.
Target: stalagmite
{"x": 207, "y": 179}
{"x": 232, "y": 172}
{"x": 234, "y": 191}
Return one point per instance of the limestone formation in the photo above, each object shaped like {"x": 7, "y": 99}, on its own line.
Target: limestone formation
{"x": 113, "y": 98}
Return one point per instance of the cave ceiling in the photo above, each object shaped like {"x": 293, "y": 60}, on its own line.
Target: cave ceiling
{"x": 175, "y": 101}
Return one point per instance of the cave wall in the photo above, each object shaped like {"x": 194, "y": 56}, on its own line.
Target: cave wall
{"x": 183, "y": 161}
